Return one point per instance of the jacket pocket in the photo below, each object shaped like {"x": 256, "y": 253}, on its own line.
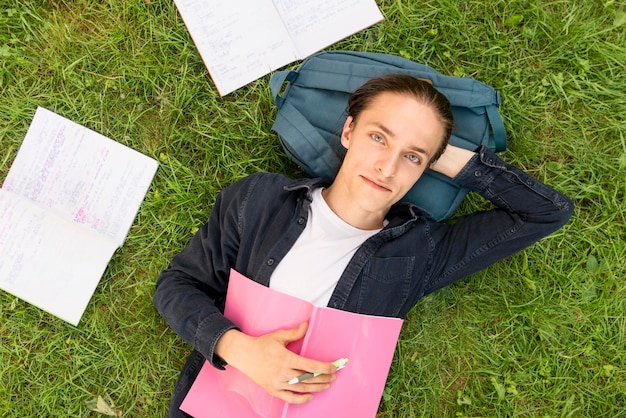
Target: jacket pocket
{"x": 386, "y": 285}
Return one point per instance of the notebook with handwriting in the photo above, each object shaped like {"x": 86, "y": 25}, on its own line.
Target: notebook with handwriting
{"x": 242, "y": 40}
{"x": 367, "y": 341}
{"x": 66, "y": 205}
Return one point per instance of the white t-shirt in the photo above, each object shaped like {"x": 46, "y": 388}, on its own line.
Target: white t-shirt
{"x": 312, "y": 268}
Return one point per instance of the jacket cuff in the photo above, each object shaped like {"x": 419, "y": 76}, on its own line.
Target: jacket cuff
{"x": 208, "y": 334}
{"x": 477, "y": 173}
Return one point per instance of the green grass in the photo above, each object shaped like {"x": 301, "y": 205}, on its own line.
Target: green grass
{"x": 542, "y": 334}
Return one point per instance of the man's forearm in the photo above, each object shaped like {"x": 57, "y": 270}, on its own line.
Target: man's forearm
{"x": 452, "y": 161}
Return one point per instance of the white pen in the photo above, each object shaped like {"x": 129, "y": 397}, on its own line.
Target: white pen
{"x": 339, "y": 364}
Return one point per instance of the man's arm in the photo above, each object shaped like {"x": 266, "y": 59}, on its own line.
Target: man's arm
{"x": 525, "y": 211}
{"x": 452, "y": 161}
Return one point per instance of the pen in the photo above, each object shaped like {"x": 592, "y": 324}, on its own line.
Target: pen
{"x": 339, "y": 364}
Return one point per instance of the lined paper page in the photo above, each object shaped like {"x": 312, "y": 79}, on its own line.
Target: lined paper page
{"x": 243, "y": 40}
{"x": 238, "y": 40}
{"x": 81, "y": 175}
{"x": 47, "y": 261}
{"x": 314, "y": 25}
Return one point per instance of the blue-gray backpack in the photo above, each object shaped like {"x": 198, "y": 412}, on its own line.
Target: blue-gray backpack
{"x": 312, "y": 111}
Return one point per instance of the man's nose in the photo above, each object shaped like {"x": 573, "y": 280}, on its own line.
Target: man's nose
{"x": 387, "y": 164}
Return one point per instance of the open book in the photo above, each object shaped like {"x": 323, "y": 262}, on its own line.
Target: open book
{"x": 66, "y": 205}
{"x": 367, "y": 341}
{"x": 242, "y": 40}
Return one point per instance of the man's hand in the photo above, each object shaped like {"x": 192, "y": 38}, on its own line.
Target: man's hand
{"x": 268, "y": 362}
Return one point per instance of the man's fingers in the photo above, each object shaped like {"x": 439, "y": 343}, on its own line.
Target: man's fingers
{"x": 294, "y": 334}
{"x": 308, "y": 365}
{"x": 293, "y": 397}
{"x": 302, "y": 392}
{"x": 314, "y": 366}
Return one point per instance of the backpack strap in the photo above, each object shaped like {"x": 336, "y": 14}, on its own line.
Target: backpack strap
{"x": 497, "y": 125}
{"x": 276, "y": 83}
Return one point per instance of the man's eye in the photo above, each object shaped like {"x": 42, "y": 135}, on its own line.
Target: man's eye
{"x": 413, "y": 158}
{"x": 377, "y": 138}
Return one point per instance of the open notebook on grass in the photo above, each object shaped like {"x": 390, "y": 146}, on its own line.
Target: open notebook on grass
{"x": 242, "y": 40}
{"x": 66, "y": 205}
{"x": 367, "y": 341}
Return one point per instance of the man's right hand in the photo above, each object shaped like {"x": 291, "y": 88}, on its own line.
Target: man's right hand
{"x": 267, "y": 361}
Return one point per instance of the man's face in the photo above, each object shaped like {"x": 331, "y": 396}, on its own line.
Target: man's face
{"x": 389, "y": 147}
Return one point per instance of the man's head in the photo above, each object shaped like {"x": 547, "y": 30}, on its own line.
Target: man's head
{"x": 397, "y": 126}
{"x": 421, "y": 90}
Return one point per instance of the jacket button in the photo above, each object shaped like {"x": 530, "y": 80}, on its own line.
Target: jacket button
{"x": 477, "y": 173}
{"x": 270, "y": 262}
{"x": 301, "y": 221}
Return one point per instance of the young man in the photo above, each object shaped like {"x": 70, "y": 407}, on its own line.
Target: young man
{"x": 350, "y": 244}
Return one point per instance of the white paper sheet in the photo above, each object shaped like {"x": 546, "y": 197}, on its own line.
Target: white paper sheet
{"x": 67, "y": 203}
{"x": 314, "y": 25}
{"x": 81, "y": 175}
{"x": 242, "y": 40}
{"x": 238, "y": 40}
{"x": 48, "y": 261}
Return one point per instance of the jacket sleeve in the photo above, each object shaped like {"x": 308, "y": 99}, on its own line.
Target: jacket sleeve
{"x": 526, "y": 211}
{"x": 190, "y": 292}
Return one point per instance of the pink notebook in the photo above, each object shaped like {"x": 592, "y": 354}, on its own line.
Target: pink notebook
{"x": 367, "y": 341}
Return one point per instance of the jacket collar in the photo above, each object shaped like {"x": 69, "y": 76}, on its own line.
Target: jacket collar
{"x": 400, "y": 213}
{"x": 308, "y": 184}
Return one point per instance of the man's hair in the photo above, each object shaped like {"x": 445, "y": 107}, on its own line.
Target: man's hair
{"x": 420, "y": 90}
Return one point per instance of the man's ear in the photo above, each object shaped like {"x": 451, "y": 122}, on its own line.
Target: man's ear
{"x": 345, "y": 133}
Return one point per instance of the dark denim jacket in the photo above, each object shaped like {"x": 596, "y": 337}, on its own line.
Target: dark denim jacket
{"x": 256, "y": 221}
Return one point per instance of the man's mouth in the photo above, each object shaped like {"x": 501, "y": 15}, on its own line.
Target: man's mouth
{"x": 376, "y": 185}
